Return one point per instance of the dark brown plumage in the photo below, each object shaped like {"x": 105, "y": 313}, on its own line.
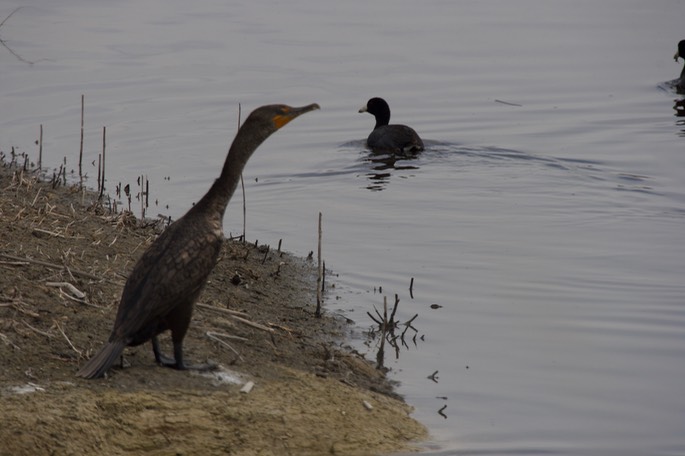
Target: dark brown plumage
{"x": 679, "y": 83}
{"x": 385, "y": 137}
{"x": 164, "y": 284}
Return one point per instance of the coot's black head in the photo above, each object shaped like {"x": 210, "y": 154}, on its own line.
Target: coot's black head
{"x": 681, "y": 51}
{"x": 380, "y": 110}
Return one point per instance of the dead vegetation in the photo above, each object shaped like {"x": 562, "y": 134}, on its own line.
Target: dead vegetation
{"x": 63, "y": 263}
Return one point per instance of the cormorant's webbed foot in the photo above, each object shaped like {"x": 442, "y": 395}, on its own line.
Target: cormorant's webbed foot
{"x": 177, "y": 362}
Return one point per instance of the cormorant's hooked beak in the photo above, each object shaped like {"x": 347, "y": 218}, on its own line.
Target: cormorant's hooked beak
{"x": 675, "y": 57}
{"x": 289, "y": 113}
{"x": 363, "y": 109}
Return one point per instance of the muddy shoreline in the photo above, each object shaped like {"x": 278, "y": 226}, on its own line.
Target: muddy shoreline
{"x": 63, "y": 263}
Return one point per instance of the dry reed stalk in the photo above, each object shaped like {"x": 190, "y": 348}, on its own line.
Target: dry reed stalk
{"x": 14, "y": 263}
{"x": 50, "y": 233}
{"x": 99, "y": 172}
{"x": 40, "y": 150}
{"x": 38, "y": 331}
{"x": 141, "y": 182}
{"x": 285, "y": 329}
{"x": 33, "y": 203}
{"x": 80, "y": 153}
{"x": 20, "y": 307}
{"x": 50, "y": 265}
{"x": 75, "y": 292}
{"x": 381, "y": 350}
{"x": 319, "y": 279}
{"x": 9, "y": 342}
{"x": 252, "y": 324}
{"x": 102, "y": 175}
{"x": 59, "y": 328}
{"x": 237, "y": 316}
{"x": 226, "y": 311}
{"x": 215, "y": 337}
{"x": 227, "y": 336}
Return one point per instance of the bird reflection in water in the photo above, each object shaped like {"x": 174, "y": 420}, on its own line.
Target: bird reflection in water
{"x": 382, "y": 166}
{"x": 679, "y": 107}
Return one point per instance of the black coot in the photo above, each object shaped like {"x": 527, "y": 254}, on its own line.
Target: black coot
{"x": 679, "y": 83}
{"x": 384, "y": 137}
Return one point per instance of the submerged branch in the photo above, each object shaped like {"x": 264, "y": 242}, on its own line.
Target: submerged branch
{"x": 4, "y": 44}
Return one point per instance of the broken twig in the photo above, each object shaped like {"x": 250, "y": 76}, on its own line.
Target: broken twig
{"x": 50, "y": 265}
{"x": 75, "y": 292}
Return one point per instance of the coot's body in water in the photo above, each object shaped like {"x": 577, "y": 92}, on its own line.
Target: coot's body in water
{"x": 679, "y": 84}
{"x": 160, "y": 292}
{"x": 385, "y": 137}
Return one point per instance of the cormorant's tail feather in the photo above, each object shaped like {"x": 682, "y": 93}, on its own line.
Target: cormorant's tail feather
{"x": 100, "y": 363}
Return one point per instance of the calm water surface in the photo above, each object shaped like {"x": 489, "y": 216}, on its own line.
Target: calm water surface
{"x": 546, "y": 216}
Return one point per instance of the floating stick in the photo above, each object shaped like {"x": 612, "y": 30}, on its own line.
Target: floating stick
{"x": 508, "y": 103}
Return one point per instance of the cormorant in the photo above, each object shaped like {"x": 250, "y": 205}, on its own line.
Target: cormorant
{"x": 160, "y": 292}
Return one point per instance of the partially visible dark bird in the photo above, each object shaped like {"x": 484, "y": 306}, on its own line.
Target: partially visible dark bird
{"x": 385, "y": 137}
{"x": 160, "y": 293}
{"x": 679, "y": 83}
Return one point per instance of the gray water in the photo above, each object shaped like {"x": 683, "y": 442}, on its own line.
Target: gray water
{"x": 546, "y": 216}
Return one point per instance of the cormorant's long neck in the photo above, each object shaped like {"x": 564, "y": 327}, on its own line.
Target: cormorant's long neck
{"x": 216, "y": 199}
{"x": 682, "y": 73}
